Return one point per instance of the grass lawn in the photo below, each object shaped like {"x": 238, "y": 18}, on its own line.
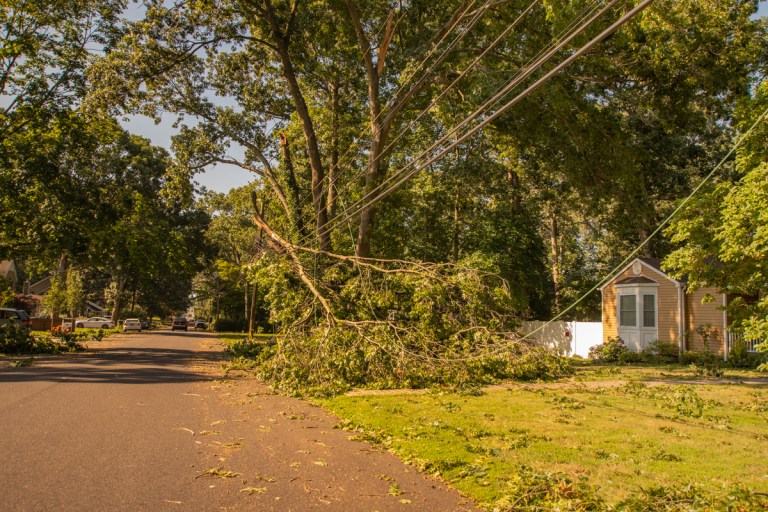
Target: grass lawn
{"x": 616, "y": 436}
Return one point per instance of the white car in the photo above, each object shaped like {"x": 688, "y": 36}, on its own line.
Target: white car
{"x": 131, "y": 324}
{"x": 95, "y": 322}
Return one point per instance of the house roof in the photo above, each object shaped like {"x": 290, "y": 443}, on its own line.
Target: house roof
{"x": 94, "y": 306}
{"x": 40, "y": 287}
{"x": 653, "y": 264}
{"x": 636, "y": 280}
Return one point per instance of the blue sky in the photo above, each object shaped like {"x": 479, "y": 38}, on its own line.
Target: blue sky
{"x": 223, "y": 178}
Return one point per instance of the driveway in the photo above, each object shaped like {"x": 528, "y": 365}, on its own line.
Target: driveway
{"x": 148, "y": 422}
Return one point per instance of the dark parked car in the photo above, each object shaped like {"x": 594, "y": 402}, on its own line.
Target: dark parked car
{"x": 16, "y": 316}
{"x": 201, "y": 324}
{"x": 146, "y": 324}
{"x": 179, "y": 323}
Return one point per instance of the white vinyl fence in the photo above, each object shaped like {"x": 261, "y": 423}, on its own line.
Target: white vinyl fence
{"x": 568, "y": 338}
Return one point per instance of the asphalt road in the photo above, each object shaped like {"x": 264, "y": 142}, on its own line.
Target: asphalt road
{"x": 149, "y": 422}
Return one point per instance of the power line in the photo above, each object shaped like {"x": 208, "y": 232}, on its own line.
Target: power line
{"x": 541, "y": 57}
{"x": 440, "y": 59}
{"x": 629, "y": 257}
{"x": 372, "y": 199}
{"x": 440, "y": 96}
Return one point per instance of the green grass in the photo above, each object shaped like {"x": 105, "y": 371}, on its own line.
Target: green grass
{"x": 617, "y": 439}
{"x": 586, "y": 371}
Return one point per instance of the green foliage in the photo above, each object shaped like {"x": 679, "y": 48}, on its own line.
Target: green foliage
{"x": 528, "y": 489}
{"x": 227, "y": 325}
{"x": 610, "y": 351}
{"x": 720, "y": 233}
{"x": 16, "y": 340}
{"x": 662, "y": 351}
{"x": 740, "y": 357}
{"x": 413, "y": 326}
{"x": 7, "y": 296}
{"x": 684, "y": 498}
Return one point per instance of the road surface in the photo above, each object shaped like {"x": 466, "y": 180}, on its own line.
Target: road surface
{"x": 147, "y": 422}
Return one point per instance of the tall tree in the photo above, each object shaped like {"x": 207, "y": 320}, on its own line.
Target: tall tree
{"x": 722, "y": 232}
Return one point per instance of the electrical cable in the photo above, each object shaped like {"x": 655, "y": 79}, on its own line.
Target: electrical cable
{"x": 372, "y": 199}
{"x": 538, "y": 60}
{"x": 439, "y": 97}
{"x": 629, "y": 257}
{"x": 440, "y": 59}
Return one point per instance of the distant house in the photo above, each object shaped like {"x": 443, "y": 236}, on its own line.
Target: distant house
{"x": 8, "y": 272}
{"x": 93, "y": 309}
{"x": 41, "y": 287}
{"x": 642, "y": 303}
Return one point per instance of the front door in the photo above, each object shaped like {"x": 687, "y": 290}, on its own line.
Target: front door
{"x": 637, "y": 315}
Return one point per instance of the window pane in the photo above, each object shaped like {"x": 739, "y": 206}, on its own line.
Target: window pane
{"x": 627, "y": 310}
{"x": 649, "y": 311}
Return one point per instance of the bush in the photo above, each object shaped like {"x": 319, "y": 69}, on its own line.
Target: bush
{"x": 227, "y": 325}
{"x": 609, "y": 352}
{"x": 703, "y": 363}
{"x": 698, "y": 358}
{"x": 662, "y": 351}
{"x": 16, "y": 340}
{"x": 740, "y": 357}
{"x": 629, "y": 357}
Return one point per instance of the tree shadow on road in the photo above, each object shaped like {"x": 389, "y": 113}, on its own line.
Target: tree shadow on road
{"x": 121, "y": 365}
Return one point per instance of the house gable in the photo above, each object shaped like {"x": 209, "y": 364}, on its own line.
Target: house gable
{"x": 8, "y": 271}
{"x": 679, "y": 314}
{"x": 646, "y": 273}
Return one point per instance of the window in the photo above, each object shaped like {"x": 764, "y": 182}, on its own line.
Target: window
{"x": 627, "y": 310}
{"x": 649, "y": 310}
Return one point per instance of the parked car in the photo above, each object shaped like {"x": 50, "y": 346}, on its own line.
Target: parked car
{"x": 17, "y": 316}
{"x": 95, "y": 322}
{"x": 146, "y": 324}
{"x": 201, "y": 324}
{"x": 179, "y": 323}
{"x": 131, "y": 324}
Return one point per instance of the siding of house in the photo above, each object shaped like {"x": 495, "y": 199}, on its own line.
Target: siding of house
{"x": 667, "y": 305}
{"x": 698, "y": 314}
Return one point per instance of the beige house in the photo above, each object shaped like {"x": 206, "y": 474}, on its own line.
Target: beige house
{"x": 8, "y": 271}
{"x": 641, "y": 304}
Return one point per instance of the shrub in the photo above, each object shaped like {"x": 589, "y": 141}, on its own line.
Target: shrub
{"x": 610, "y": 351}
{"x": 227, "y": 325}
{"x": 740, "y": 357}
{"x": 629, "y": 357}
{"x": 15, "y": 339}
{"x": 703, "y": 363}
{"x": 662, "y": 351}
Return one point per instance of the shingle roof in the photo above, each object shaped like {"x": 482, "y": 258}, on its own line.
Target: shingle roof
{"x": 636, "y": 280}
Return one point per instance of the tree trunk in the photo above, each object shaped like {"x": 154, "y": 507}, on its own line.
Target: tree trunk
{"x": 293, "y": 186}
{"x": 252, "y": 312}
{"x": 333, "y": 170}
{"x": 121, "y": 282}
{"x": 245, "y": 299}
{"x": 455, "y": 244}
{"x": 553, "y": 238}
{"x": 313, "y": 151}
{"x": 378, "y": 131}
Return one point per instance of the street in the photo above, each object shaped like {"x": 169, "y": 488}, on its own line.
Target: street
{"x": 148, "y": 421}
